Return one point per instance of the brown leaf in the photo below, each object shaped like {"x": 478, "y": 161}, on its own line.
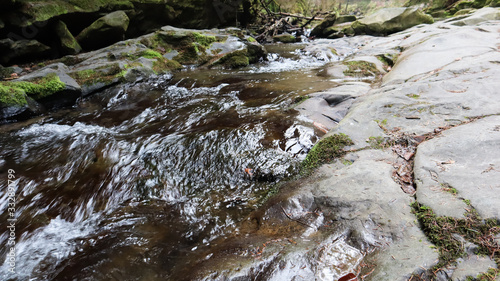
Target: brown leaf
{"x": 348, "y": 277}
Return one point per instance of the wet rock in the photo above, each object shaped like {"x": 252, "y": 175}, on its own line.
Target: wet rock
{"x": 35, "y": 93}
{"x": 463, "y": 158}
{"x": 285, "y": 38}
{"x": 23, "y": 50}
{"x": 68, "y": 43}
{"x": 326, "y": 109}
{"x": 376, "y": 211}
{"x": 104, "y": 31}
{"x": 391, "y": 20}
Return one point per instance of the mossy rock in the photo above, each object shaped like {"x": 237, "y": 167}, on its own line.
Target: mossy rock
{"x": 37, "y": 88}
{"x": 327, "y": 22}
{"x": 390, "y": 20}
{"x": 104, "y": 31}
{"x": 67, "y": 43}
{"x": 285, "y": 38}
{"x": 11, "y": 95}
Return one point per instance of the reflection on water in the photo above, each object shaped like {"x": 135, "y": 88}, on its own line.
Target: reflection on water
{"x": 136, "y": 180}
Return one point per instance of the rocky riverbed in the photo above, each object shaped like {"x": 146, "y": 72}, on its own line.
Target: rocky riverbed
{"x": 409, "y": 191}
{"x": 416, "y": 195}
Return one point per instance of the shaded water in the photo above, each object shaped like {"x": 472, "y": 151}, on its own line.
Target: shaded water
{"x": 134, "y": 181}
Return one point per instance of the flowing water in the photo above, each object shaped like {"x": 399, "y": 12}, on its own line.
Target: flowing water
{"x": 135, "y": 180}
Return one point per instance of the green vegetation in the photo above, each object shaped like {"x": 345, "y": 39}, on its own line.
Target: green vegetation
{"x": 448, "y": 188}
{"x": 11, "y": 96}
{"x": 163, "y": 64}
{"x": 413, "y": 96}
{"x": 106, "y": 74}
{"x": 301, "y": 99}
{"x": 203, "y": 40}
{"x": 360, "y": 69}
{"x": 325, "y": 151}
{"x": 150, "y": 54}
{"x": 440, "y": 231}
{"x": 378, "y": 142}
{"x": 13, "y": 93}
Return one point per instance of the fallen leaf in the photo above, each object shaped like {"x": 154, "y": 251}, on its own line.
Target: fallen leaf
{"x": 321, "y": 127}
{"x": 249, "y": 171}
{"x": 348, "y": 277}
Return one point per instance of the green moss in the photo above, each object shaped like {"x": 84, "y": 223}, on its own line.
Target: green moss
{"x": 6, "y": 71}
{"x": 360, "y": 69}
{"x": 448, "y": 188}
{"x": 106, "y": 74}
{"x": 251, "y": 39}
{"x": 440, "y": 231}
{"x": 378, "y": 142}
{"x": 11, "y": 96}
{"x": 39, "y": 88}
{"x": 203, "y": 40}
{"x": 150, "y": 54}
{"x": 413, "y": 96}
{"x": 325, "y": 151}
{"x": 301, "y": 99}
{"x": 490, "y": 275}
{"x": 164, "y": 65}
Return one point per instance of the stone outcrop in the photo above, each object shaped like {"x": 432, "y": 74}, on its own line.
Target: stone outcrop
{"x": 390, "y": 20}
{"x": 26, "y": 21}
{"x": 434, "y": 114}
{"x": 104, "y": 31}
{"x": 160, "y": 52}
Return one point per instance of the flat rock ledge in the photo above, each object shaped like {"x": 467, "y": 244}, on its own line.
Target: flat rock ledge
{"x": 425, "y": 153}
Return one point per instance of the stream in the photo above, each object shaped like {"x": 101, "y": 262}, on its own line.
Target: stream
{"x": 135, "y": 180}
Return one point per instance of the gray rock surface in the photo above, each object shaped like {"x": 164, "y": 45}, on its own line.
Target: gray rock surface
{"x": 466, "y": 158}
{"x": 471, "y": 266}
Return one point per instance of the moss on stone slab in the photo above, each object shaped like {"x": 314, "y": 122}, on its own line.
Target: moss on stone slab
{"x": 203, "y": 40}
{"x": 162, "y": 65}
{"x": 11, "y": 96}
{"x": 360, "y": 69}
{"x": 106, "y": 74}
{"x": 12, "y": 92}
{"x": 325, "y": 151}
{"x": 441, "y": 231}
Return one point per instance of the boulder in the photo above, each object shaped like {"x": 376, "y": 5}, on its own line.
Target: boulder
{"x": 327, "y": 22}
{"x": 67, "y": 43}
{"x": 285, "y": 38}
{"x": 391, "y": 20}
{"x": 22, "y": 50}
{"x": 104, "y": 31}
{"x": 46, "y": 89}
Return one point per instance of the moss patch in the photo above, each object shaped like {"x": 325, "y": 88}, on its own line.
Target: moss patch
{"x": 325, "y": 151}
{"x": 11, "y": 96}
{"x": 360, "y": 69}
{"x": 203, "y": 40}
{"x": 440, "y": 231}
{"x": 106, "y": 74}
{"x": 12, "y": 93}
{"x": 163, "y": 65}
